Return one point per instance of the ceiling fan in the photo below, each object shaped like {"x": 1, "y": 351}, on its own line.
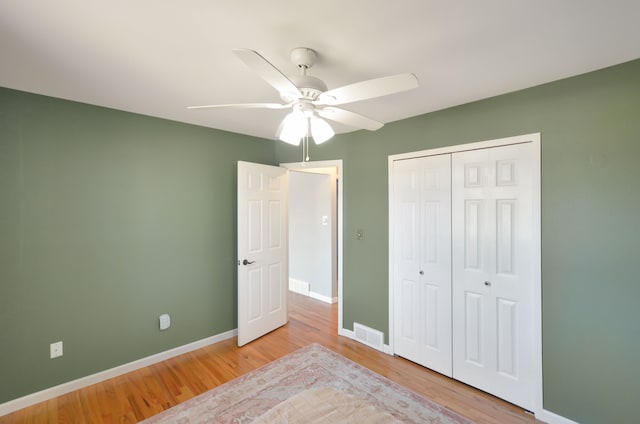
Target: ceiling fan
{"x": 311, "y": 100}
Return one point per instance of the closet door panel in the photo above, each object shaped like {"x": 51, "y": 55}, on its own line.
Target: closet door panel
{"x": 492, "y": 276}
{"x": 422, "y": 255}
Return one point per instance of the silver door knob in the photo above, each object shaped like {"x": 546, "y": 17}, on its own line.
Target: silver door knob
{"x": 487, "y": 283}
{"x": 421, "y": 272}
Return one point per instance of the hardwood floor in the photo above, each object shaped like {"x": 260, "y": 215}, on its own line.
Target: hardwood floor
{"x": 150, "y": 390}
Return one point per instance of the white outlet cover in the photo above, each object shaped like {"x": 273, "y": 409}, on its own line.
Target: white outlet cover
{"x": 55, "y": 350}
{"x": 165, "y": 321}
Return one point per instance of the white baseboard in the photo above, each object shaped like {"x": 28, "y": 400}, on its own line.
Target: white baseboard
{"x": 322, "y": 298}
{"x": 302, "y": 287}
{"x": 61, "y": 389}
{"x": 552, "y": 418}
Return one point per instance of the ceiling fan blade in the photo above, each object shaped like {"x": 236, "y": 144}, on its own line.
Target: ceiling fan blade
{"x": 368, "y": 89}
{"x": 349, "y": 118}
{"x": 267, "y": 72}
{"x": 245, "y": 106}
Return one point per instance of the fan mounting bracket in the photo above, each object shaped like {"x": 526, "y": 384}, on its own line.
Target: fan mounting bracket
{"x": 303, "y": 57}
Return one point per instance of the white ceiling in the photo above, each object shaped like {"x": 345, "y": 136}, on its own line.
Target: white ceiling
{"x": 156, "y": 57}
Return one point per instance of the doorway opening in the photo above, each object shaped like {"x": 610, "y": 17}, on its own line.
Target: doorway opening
{"x": 315, "y": 230}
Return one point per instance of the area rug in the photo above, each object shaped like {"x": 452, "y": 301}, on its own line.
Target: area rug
{"x": 312, "y": 384}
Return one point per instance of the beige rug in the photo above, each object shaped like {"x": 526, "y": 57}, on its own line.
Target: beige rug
{"x": 310, "y": 385}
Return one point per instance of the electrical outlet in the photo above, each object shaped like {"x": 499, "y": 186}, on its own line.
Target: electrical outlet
{"x": 55, "y": 350}
{"x": 165, "y": 321}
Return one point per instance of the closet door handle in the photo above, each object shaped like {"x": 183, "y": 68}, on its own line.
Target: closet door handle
{"x": 246, "y": 262}
{"x": 421, "y": 272}
{"x": 487, "y": 283}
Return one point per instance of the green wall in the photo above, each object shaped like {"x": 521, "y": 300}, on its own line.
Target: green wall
{"x": 107, "y": 220}
{"x": 590, "y": 130}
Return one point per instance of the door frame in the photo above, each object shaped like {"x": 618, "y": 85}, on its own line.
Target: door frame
{"x": 533, "y": 138}
{"x": 304, "y": 166}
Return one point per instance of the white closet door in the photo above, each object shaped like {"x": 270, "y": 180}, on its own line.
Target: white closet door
{"x": 493, "y": 288}
{"x": 422, "y": 261}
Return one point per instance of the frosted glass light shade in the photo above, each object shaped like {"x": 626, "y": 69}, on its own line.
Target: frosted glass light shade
{"x": 321, "y": 131}
{"x": 293, "y": 128}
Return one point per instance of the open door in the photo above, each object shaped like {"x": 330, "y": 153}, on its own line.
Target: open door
{"x": 263, "y": 272}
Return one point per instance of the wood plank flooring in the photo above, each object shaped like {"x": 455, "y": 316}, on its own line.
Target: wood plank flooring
{"x": 145, "y": 392}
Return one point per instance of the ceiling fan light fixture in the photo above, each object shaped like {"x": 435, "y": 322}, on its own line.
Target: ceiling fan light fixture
{"x": 310, "y": 99}
{"x": 321, "y": 131}
{"x": 293, "y": 128}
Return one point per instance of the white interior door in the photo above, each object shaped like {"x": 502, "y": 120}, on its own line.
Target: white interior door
{"x": 422, "y": 261}
{"x": 493, "y": 271}
{"x": 262, "y": 250}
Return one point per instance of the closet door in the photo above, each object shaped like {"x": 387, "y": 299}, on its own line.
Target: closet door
{"x": 422, "y": 261}
{"x": 493, "y": 289}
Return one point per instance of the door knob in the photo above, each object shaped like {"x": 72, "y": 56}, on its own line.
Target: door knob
{"x": 421, "y": 272}
{"x": 487, "y": 283}
{"x": 246, "y": 262}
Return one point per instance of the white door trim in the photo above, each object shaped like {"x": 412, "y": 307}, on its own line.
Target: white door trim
{"x": 338, "y": 165}
{"x": 533, "y": 138}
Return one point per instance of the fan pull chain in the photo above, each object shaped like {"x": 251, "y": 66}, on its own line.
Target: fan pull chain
{"x": 306, "y": 142}
{"x": 305, "y": 149}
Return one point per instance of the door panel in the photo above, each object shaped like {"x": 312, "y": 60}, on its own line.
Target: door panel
{"x": 275, "y": 230}
{"x": 506, "y": 338}
{"x": 408, "y": 322}
{"x": 473, "y": 328}
{"x": 431, "y": 319}
{"x": 276, "y": 294}
{"x": 262, "y": 241}
{"x": 472, "y": 224}
{"x": 254, "y": 223}
{"x": 255, "y": 294}
{"x": 430, "y": 242}
{"x": 505, "y": 219}
{"x": 422, "y": 262}
{"x": 492, "y": 201}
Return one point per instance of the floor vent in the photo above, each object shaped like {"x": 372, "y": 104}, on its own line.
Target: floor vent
{"x": 369, "y": 336}
{"x": 298, "y": 286}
